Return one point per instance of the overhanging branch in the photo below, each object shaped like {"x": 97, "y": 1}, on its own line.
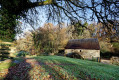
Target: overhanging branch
{"x": 35, "y": 4}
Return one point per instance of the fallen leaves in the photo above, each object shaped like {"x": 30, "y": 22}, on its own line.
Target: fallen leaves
{"x": 45, "y": 70}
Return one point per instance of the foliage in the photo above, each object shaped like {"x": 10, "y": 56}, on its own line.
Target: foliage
{"x": 9, "y": 14}
{"x": 26, "y": 43}
{"x": 44, "y": 40}
{"x": 22, "y": 53}
{"x": 57, "y": 10}
{"x": 74, "y": 55}
{"x": 79, "y": 27}
{"x": 116, "y": 47}
{"x": 105, "y": 46}
{"x": 79, "y": 30}
{"x": 49, "y": 39}
{"x": 7, "y": 26}
{"x": 103, "y": 34}
{"x": 116, "y": 44}
{"x": 109, "y": 49}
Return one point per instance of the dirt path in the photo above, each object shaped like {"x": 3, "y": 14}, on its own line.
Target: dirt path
{"x": 18, "y": 72}
{"x": 29, "y": 69}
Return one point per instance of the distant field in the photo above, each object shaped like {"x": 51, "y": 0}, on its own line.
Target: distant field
{"x": 63, "y": 68}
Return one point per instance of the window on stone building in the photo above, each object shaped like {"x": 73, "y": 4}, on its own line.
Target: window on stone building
{"x": 80, "y": 50}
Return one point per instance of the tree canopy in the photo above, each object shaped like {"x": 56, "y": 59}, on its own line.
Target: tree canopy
{"x": 104, "y": 11}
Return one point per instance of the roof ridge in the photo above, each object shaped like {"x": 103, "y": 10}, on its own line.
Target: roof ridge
{"x": 89, "y": 43}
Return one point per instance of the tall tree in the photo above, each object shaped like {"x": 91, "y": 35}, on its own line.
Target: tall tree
{"x": 50, "y": 38}
{"x": 79, "y": 30}
{"x": 11, "y": 10}
{"x": 102, "y": 33}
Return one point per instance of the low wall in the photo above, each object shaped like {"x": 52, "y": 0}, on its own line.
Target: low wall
{"x": 85, "y": 53}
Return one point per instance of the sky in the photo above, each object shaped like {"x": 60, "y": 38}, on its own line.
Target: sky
{"x": 41, "y": 18}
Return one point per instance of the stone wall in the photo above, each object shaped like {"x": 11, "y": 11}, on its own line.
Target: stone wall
{"x": 86, "y": 54}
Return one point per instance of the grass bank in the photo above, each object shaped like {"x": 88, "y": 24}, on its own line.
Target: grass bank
{"x": 81, "y": 68}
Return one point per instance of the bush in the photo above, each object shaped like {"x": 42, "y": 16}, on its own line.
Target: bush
{"x": 22, "y": 54}
{"x": 4, "y": 57}
{"x": 105, "y": 46}
{"x": 43, "y": 54}
{"x": 74, "y": 55}
{"x": 106, "y": 54}
{"x": 115, "y": 60}
{"x": 61, "y": 53}
{"x": 115, "y": 44}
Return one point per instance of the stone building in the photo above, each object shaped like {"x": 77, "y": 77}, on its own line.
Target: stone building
{"x": 86, "y": 48}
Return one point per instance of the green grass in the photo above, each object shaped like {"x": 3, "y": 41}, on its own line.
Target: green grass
{"x": 82, "y": 68}
{"x": 64, "y": 68}
{"x": 6, "y": 65}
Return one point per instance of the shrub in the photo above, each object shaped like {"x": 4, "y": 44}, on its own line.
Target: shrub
{"x": 115, "y": 60}
{"x": 105, "y": 46}
{"x": 115, "y": 44}
{"x": 43, "y": 54}
{"x": 61, "y": 53}
{"x": 106, "y": 54}
{"x": 22, "y": 54}
{"x": 116, "y": 47}
{"x": 74, "y": 55}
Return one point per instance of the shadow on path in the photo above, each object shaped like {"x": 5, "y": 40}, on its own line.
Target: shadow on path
{"x": 19, "y": 71}
{"x": 54, "y": 69}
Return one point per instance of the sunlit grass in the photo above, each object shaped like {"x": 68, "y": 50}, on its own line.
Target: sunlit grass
{"x": 82, "y": 68}
{"x": 6, "y": 65}
{"x": 63, "y": 68}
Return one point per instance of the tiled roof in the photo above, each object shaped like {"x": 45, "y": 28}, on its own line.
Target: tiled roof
{"x": 91, "y": 43}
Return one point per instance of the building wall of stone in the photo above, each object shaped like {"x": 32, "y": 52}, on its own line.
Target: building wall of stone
{"x": 87, "y": 54}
